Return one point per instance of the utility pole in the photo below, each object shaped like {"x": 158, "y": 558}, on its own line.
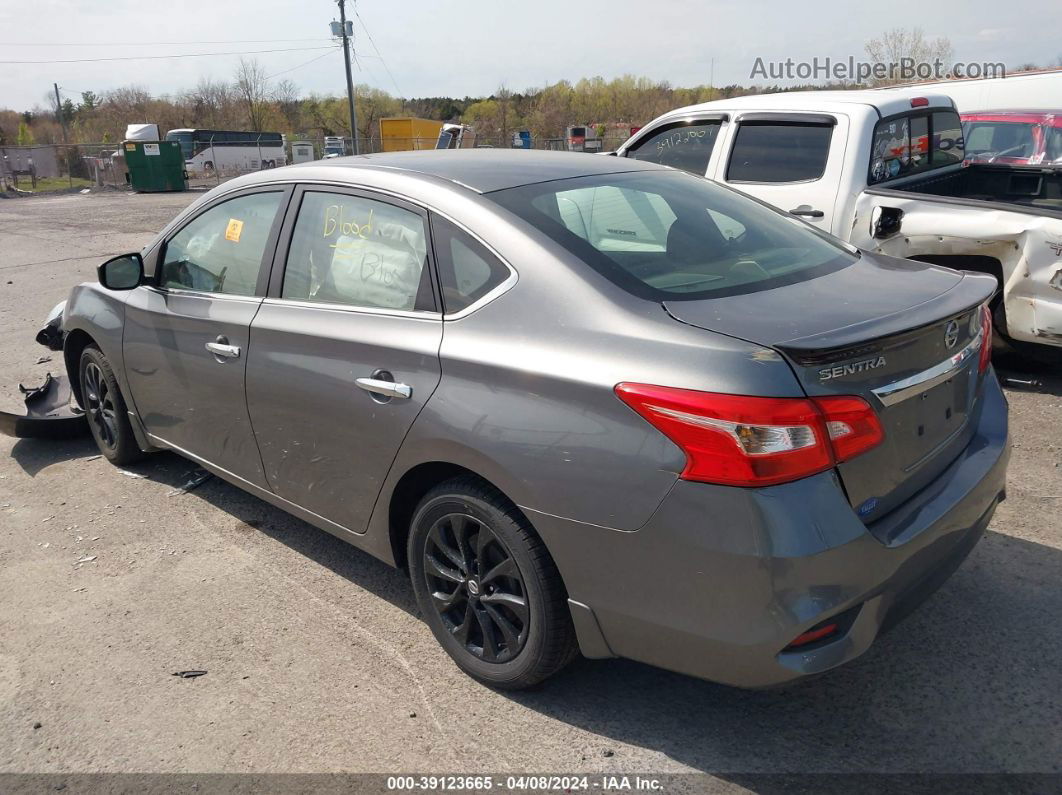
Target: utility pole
{"x": 350, "y": 79}
{"x": 59, "y": 110}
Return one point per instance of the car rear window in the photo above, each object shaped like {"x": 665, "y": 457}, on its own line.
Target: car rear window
{"x": 666, "y": 235}
{"x": 909, "y": 144}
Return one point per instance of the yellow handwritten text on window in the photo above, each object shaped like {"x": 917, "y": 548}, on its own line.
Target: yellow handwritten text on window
{"x": 335, "y": 222}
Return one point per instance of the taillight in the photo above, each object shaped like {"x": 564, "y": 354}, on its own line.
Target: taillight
{"x": 739, "y": 440}
{"x": 986, "y": 340}
{"x": 852, "y": 424}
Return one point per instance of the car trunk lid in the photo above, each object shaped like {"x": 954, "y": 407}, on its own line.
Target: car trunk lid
{"x": 903, "y": 335}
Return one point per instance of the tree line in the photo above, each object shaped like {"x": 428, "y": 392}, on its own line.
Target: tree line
{"x": 250, "y": 100}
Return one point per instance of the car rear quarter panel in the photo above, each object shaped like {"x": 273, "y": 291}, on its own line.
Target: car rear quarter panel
{"x": 526, "y": 397}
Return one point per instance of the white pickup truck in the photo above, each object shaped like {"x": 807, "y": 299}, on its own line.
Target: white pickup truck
{"x": 885, "y": 171}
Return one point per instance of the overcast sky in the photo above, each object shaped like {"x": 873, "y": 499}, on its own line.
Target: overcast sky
{"x": 446, "y": 47}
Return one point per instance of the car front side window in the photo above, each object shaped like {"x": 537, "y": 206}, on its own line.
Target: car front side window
{"x": 221, "y": 250}
{"x": 685, "y": 145}
{"x": 348, "y": 249}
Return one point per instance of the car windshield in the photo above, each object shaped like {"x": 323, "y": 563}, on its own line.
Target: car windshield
{"x": 1000, "y": 138}
{"x": 665, "y": 235}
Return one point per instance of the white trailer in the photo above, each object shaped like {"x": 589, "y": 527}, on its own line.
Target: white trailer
{"x": 1030, "y": 91}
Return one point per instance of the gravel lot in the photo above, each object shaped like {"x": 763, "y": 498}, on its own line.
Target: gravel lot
{"x": 317, "y": 660}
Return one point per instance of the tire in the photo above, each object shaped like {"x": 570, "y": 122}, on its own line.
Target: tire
{"x": 105, "y": 409}
{"x": 495, "y": 603}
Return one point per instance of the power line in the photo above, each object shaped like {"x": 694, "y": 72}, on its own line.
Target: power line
{"x": 145, "y": 43}
{"x": 158, "y": 57}
{"x": 362, "y": 68}
{"x": 377, "y": 49}
{"x": 307, "y": 63}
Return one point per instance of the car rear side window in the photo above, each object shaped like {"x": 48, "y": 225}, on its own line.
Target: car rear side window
{"x": 686, "y": 145}
{"x": 779, "y": 151}
{"x": 467, "y": 269}
{"x": 221, "y": 250}
{"x": 354, "y": 250}
{"x": 1053, "y": 146}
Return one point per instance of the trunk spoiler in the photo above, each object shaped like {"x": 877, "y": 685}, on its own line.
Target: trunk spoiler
{"x": 973, "y": 289}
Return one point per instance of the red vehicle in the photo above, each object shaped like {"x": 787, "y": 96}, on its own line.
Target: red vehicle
{"x": 1014, "y": 137}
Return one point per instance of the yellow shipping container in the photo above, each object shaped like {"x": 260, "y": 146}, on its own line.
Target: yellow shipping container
{"x": 405, "y": 134}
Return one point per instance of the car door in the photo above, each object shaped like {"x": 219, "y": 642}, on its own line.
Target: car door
{"x": 346, "y": 349}
{"x": 791, "y": 160}
{"x": 186, "y": 334}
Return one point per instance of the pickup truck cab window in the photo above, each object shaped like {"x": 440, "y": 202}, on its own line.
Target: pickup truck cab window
{"x": 221, "y": 250}
{"x": 684, "y": 145}
{"x": 348, "y": 249}
{"x": 913, "y": 143}
{"x": 949, "y": 144}
{"x": 779, "y": 151}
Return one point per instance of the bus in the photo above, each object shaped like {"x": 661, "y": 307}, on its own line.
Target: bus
{"x": 206, "y": 151}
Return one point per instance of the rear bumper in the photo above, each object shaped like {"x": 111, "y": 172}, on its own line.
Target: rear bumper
{"x": 721, "y": 580}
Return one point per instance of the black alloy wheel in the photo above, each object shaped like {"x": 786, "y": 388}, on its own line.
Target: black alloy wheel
{"x": 108, "y": 418}
{"x": 99, "y": 406}
{"x": 487, "y": 586}
{"x": 476, "y": 588}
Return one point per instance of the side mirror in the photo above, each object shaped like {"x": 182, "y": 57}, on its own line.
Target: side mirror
{"x": 885, "y": 222}
{"x": 121, "y": 273}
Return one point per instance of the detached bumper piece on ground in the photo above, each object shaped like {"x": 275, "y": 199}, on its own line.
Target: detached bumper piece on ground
{"x": 50, "y": 412}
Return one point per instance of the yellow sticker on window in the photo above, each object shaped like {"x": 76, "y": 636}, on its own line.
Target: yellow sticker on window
{"x": 234, "y": 230}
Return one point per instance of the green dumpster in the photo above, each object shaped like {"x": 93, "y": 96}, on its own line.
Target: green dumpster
{"x": 155, "y": 165}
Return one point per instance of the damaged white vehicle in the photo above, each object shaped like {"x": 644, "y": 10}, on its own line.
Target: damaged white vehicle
{"x": 886, "y": 171}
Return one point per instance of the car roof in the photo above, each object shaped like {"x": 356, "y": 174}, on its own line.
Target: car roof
{"x": 885, "y": 101}
{"x": 1014, "y": 115}
{"x": 481, "y": 170}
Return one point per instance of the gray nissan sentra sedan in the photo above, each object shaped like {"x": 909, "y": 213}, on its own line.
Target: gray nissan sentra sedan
{"x": 592, "y": 405}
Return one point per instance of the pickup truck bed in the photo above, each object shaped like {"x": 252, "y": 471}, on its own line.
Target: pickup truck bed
{"x": 1016, "y": 186}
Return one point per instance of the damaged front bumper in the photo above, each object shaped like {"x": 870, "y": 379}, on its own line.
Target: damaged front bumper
{"x": 51, "y": 411}
{"x": 51, "y": 336}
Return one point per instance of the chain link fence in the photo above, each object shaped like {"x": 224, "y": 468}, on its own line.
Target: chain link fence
{"x": 60, "y": 167}
{"x": 101, "y": 166}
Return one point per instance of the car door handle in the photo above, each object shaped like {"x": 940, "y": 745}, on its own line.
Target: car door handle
{"x": 386, "y": 388}
{"x": 224, "y": 350}
{"x": 807, "y": 212}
